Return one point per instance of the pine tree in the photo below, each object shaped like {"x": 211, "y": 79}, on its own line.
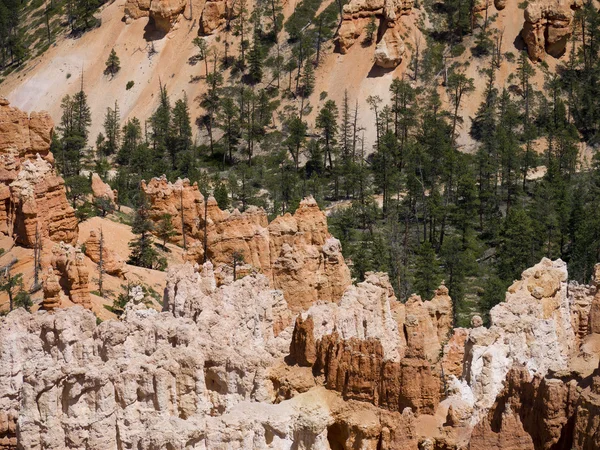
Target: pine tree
{"x": 370, "y": 30}
{"x": 165, "y": 229}
{"x": 308, "y": 79}
{"x": 112, "y": 130}
{"x": 255, "y": 61}
{"x": 181, "y": 133}
{"x": 427, "y": 271}
{"x": 517, "y": 250}
{"x": 142, "y": 250}
{"x": 113, "y": 64}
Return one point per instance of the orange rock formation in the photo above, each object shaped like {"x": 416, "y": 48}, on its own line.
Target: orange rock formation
{"x": 32, "y": 196}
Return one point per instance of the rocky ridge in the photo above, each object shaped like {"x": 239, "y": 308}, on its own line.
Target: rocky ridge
{"x": 220, "y": 367}
{"x": 296, "y": 252}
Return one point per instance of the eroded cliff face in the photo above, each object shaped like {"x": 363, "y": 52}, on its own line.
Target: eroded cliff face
{"x": 230, "y": 365}
{"x": 162, "y": 12}
{"x": 296, "y": 252}
{"x": 386, "y": 13}
{"x": 547, "y": 27}
{"x": 32, "y": 196}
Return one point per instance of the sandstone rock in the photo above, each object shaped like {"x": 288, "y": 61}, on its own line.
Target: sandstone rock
{"x": 531, "y": 328}
{"x": 547, "y": 28}
{"x": 112, "y": 263}
{"x": 295, "y": 252}
{"x": 162, "y": 12}
{"x": 69, "y": 265}
{"x": 356, "y": 16}
{"x": 390, "y": 49}
{"x": 102, "y": 190}
{"x": 530, "y": 413}
{"x": 586, "y": 429}
{"x": 213, "y": 16}
{"x": 434, "y": 320}
{"x": 52, "y": 291}
{"x": 32, "y": 197}
{"x": 454, "y": 353}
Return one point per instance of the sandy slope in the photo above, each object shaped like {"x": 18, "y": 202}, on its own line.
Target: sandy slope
{"x": 44, "y": 82}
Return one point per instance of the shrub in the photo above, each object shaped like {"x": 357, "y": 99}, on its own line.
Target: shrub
{"x": 129, "y": 84}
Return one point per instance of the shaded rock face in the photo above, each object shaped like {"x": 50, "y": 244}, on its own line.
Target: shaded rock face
{"x": 163, "y": 12}
{"x": 547, "y": 27}
{"x": 295, "y": 252}
{"x": 32, "y": 197}
{"x": 357, "y": 14}
{"x": 69, "y": 266}
{"x": 530, "y": 413}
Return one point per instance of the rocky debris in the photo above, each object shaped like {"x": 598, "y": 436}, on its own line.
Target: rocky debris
{"x": 357, "y": 14}
{"x": 102, "y": 190}
{"x": 68, "y": 263}
{"x": 112, "y": 263}
{"x": 33, "y": 200}
{"x": 163, "y": 12}
{"x": 52, "y": 291}
{"x": 295, "y": 252}
{"x": 547, "y": 27}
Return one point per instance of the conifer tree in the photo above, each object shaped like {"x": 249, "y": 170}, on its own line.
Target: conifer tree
{"x": 142, "y": 250}
{"x": 427, "y": 271}
{"x": 113, "y": 64}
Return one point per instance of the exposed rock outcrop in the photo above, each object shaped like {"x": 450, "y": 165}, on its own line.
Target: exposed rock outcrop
{"x": 214, "y": 15}
{"x": 112, "y": 263}
{"x": 213, "y": 371}
{"x": 547, "y": 27}
{"x": 52, "y": 291}
{"x": 69, "y": 265}
{"x": 390, "y": 49}
{"x": 33, "y": 200}
{"x": 102, "y": 190}
{"x": 162, "y": 12}
{"x": 359, "y": 348}
{"x": 295, "y": 252}
{"x": 357, "y": 14}
{"x": 531, "y": 328}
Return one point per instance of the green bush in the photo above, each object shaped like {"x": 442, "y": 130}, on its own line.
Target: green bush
{"x": 129, "y": 84}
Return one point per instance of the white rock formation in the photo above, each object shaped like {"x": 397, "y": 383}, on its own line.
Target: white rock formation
{"x": 363, "y": 312}
{"x": 532, "y": 328}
